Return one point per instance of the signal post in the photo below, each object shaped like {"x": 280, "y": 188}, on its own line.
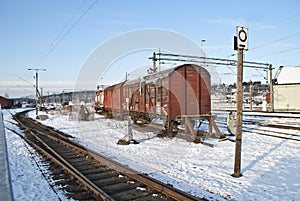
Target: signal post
{"x": 240, "y": 44}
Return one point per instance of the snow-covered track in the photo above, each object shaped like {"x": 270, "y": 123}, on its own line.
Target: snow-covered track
{"x": 102, "y": 178}
{"x": 283, "y": 126}
{"x": 276, "y": 134}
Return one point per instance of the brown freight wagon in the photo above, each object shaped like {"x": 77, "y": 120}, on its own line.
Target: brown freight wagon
{"x": 113, "y": 97}
{"x": 170, "y": 94}
{"x": 6, "y": 103}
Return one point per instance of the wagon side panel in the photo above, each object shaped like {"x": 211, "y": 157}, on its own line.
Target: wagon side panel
{"x": 205, "y": 98}
{"x": 192, "y": 90}
{"x": 176, "y": 93}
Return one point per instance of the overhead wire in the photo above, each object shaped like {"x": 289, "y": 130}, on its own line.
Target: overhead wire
{"x": 60, "y": 37}
{"x": 70, "y": 20}
{"x": 280, "y": 39}
{"x": 275, "y": 41}
{"x": 280, "y": 52}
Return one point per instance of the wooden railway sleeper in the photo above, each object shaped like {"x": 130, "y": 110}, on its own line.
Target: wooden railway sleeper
{"x": 70, "y": 169}
{"x": 152, "y": 183}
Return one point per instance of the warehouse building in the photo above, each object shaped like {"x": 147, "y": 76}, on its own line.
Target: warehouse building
{"x": 287, "y": 89}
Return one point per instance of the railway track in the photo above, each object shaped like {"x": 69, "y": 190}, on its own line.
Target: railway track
{"x": 252, "y": 124}
{"x": 282, "y": 130}
{"x": 281, "y": 135}
{"x": 88, "y": 175}
{"x": 274, "y": 128}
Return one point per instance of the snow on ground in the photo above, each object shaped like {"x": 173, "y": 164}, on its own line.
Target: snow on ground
{"x": 269, "y": 165}
{"x": 26, "y": 169}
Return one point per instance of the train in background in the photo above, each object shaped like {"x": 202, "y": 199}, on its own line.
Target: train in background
{"x": 6, "y": 103}
{"x": 98, "y": 99}
{"x": 168, "y": 95}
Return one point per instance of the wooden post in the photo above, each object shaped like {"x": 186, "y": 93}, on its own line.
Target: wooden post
{"x": 36, "y": 93}
{"x": 36, "y": 88}
{"x": 210, "y": 121}
{"x": 250, "y": 95}
{"x": 271, "y": 90}
{"x": 154, "y": 63}
{"x": 239, "y": 113}
{"x": 189, "y": 129}
{"x": 214, "y": 125}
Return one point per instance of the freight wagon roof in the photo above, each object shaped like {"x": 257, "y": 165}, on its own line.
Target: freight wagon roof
{"x": 112, "y": 87}
{"x": 289, "y": 75}
{"x": 152, "y": 77}
{"x": 158, "y": 75}
{"x": 132, "y": 82}
{"x": 165, "y": 73}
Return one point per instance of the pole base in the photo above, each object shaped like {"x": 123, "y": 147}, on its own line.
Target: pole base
{"x": 42, "y": 117}
{"x": 125, "y": 142}
{"x": 237, "y": 175}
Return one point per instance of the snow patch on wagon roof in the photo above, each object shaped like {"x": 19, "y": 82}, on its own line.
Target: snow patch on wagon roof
{"x": 166, "y": 72}
{"x": 152, "y": 78}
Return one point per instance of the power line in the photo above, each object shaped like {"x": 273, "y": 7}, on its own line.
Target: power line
{"x": 281, "y": 52}
{"x": 59, "y": 35}
{"x": 70, "y": 20}
{"x": 283, "y": 21}
{"x": 67, "y": 32}
{"x": 275, "y": 41}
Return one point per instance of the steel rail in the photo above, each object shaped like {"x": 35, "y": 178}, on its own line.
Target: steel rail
{"x": 256, "y": 131}
{"x": 276, "y": 136}
{"x": 148, "y": 181}
{"x": 278, "y": 132}
{"x": 65, "y": 165}
{"x": 142, "y": 178}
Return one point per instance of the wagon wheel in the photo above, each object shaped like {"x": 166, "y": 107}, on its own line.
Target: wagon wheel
{"x": 171, "y": 129}
{"x": 174, "y": 127}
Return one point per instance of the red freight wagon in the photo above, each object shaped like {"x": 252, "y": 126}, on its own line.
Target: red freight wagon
{"x": 168, "y": 94}
{"x": 113, "y": 97}
{"x": 6, "y": 103}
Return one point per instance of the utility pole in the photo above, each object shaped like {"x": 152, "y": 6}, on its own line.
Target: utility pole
{"x": 154, "y": 63}
{"x": 153, "y": 69}
{"x": 271, "y": 90}
{"x": 202, "y": 42}
{"x": 41, "y": 96}
{"x": 126, "y": 76}
{"x": 239, "y": 115}
{"x": 36, "y": 88}
{"x": 240, "y": 44}
{"x": 250, "y": 91}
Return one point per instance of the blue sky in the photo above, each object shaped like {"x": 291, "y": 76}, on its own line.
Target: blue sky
{"x": 30, "y": 28}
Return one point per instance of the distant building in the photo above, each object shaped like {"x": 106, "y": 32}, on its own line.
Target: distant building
{"x": 287, "y": 89}
{"x": 6, "y": 103}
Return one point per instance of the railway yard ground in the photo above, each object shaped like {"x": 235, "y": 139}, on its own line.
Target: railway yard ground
{"x": 270, "y": 157}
